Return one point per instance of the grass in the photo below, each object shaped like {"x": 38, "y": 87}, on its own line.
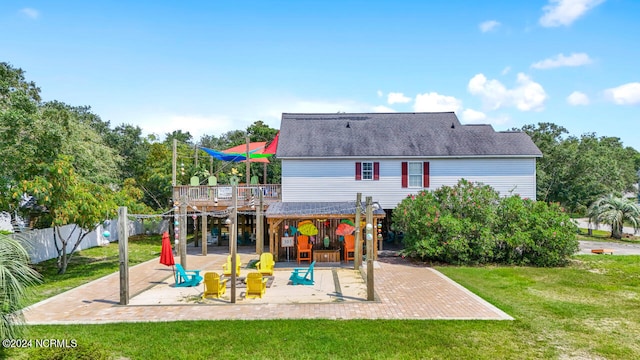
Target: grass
{"x": 588, "y": 310}
{"x": 91, "y": 264}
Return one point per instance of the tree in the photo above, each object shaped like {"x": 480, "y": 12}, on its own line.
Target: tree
{"x": 74, "y": 129}
{"x": 259, "y": 131}
{"x": 132, "y": 147}
{"x": 615, "y": 211}
{"x": 19, "y": 100}
{"x": 576, "y": 171}
{"x": 68, "y": 198}
{"x": 182, "y": 137}
{"x": 15, "y": 276}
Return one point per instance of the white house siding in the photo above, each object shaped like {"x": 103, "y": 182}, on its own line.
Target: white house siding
{"x": 334, "y": 179}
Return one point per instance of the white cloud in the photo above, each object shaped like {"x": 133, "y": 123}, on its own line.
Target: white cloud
{"x": 473, "y": 116}
{"x": 380, "y": 94}
{"x": 575, "y": 59}
{"x": 578, "y": 98}
{"x": 526, "y": 96}
{"x": 394, "y": 98}
{"x": 565, "y": 12}
{"x": 627, "y": 94}
{"x": 383, "y": 109}
{"x": 488, "y": 25}
{"x": 506, "y": 70}
{"x": 434, "y": 102}
{"x": 30, "y": 13}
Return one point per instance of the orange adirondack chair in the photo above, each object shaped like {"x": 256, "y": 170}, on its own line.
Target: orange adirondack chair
{"x": 304, "y": 248}
{"x": 349, "y": 247}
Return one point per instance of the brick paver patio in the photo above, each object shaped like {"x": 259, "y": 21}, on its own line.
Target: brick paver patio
{"x": 403, "y": 291}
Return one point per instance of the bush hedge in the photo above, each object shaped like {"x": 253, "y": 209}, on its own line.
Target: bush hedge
{"x": 470, "y": 223}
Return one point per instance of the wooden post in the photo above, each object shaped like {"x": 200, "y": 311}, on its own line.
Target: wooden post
{"x": 195, "y": 230}
{"x": 264, "y": 173}
{"x": 204, "y": 232}
{"x": 260, "y": 225}
{"x": 369, "y": 237}
{"x": 196, "y": 155}
{"x": 357, "y": 252}
{"x": 233, "y": 241}
{"x": 123, "y": 241}
{"x": 174, "y": 163}
{"x": 248, "y": 162}
{"x": 183, "y": 232}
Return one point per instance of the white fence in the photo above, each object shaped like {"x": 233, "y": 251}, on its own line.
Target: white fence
{"x": 40, "y": 246}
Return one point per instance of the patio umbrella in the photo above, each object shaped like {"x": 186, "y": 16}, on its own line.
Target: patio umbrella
{"x": 307, "y": 228}
{"x": 166, "y": 254}
{"x": 344, "y": 229}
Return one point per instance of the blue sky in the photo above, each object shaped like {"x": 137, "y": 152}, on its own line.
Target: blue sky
{"x": 208, "y": 67}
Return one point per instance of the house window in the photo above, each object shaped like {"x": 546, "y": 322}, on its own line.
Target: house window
{"x": 367, "y": 171}
{"x": 415, "y": 174}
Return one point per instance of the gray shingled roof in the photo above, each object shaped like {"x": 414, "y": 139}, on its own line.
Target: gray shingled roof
{"x": 302, "y": 209}
{"x": 396, "y": 135}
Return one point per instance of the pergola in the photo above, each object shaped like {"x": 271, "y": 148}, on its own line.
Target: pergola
{"x": 325, "y": 215}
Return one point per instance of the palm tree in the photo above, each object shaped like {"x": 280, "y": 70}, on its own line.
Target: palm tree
{"x": 614, "y": 211}
{"x": 15, "y": 276}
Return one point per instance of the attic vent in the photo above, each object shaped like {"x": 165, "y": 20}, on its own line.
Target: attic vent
{"x": 348, "y": 126}
{"x": 453, "y": 126}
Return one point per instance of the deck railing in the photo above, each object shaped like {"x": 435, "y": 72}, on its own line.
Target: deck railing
{"x": 221, "y": 195}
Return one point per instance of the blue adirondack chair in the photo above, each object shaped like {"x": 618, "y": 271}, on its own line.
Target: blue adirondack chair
{"x": 187, "y": 278}
{"x": 302, "y": 276}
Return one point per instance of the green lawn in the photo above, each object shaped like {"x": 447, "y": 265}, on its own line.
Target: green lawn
{"x": 91, "y": 264}
{"x": 588, "y": 310}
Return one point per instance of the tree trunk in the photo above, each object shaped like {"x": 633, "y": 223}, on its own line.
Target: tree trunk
{"x": 63, "y": 261}
{"x": 616, "y": 232}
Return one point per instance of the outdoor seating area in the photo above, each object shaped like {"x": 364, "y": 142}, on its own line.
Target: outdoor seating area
{"x": 320, "y": 287}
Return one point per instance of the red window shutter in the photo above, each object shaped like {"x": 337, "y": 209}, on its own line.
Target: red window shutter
{"x": 358, "y": 170}
{"x": 425, "y": 174}
{"x": 376, "y": 171}
{"x": 405, "y": 174}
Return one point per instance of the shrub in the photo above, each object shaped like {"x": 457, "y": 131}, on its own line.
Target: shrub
{"x": 533, "y": 232}
{"x": 451, "y": 224}
{"x": 470, "y": 224}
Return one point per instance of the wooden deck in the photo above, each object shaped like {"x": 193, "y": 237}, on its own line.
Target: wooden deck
{"x": 220, "y": 195}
